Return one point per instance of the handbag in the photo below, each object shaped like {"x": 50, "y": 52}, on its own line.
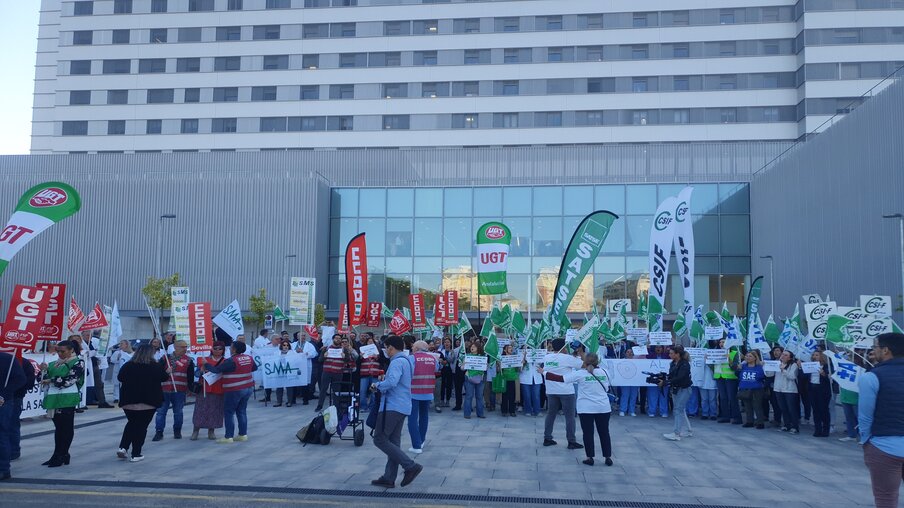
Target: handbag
{"x": 613, "y": 398}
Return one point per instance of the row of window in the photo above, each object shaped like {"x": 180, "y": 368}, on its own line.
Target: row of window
{"x": 852, "y": 70}
{"x": 435, "y": 89}
{"x": 442, "y": 57}
{"x": 87, "y": 7}
{"x": 512, "y": 120}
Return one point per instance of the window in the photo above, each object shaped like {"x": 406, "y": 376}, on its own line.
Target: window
{"x": 229, "y": 33}
{"x": 307, "y": 123}
{"x": 153, "y": 127}
{"x": 315, "y": 31}
{"x": 395, "y": 122}
{"x": 681, "y": 18}
{"x": 726, "y": 17}
{"x": 681, "y": 116}
{"x": 192, "y": 95}
{"x": 82, "y": 37}
{"x": 510, "y": 87}
{"x": 189, "y": 126}
{"x": 234, "y": 5}
{"x": 477, "y": 56}
{"x": 770, "y": 114}
{"x": 79, "y": 97}
{"x": 590, "y": 21}
{"x": 728, "y": 115}
{"x": 508, "y": 24}
{"x": 310, "y": 92}
{"x": 121, "y": 36}
{"x": 559, "y": 86}
{"x": 340, "y": 123}
{"x": 681, "y": 83}
{"x": 588, "y": 118}
{"x": 279, "y": 4}
{"x": 548, "y": 119}
{"x": 554, "y": 55}
{"x": 263, "y": 93}
{"x": 640, "y": 52}
{"x": 227, "y": 63}
{"x": 590, "y": 53}
{"x": 226, "y": 94}
{"x": 122, "y": 6}
{"x": 466, "y": 26}
{"x": 310, "y": 61}
{"x": 200, "y": 5}
{"x": 265, "y": 32}
{"x": 83, "y": 8}
{"x": 340, "y": 30}
{"x": 159, "y": 6}
{"x": 160, "y": 96}
{"x": 727, "y": 48}
{"x": 158, "y": 35}
{"x": 151, "y": 65}
{"x": 505, "y": 120}
{"x": 681, "y": 50}
{"x": 425, "y": 27}
{"x": 770, "y": 14}
{"x": 221, "y": 125}
{"x": 188, "y": 64}
{"x": 342, "y": 91}
{"x": 388, "y": 59}
{"x": 116, "y": 127}
{"x": 465, "y": 89}
{"x": 273, "y": 124}
{"x": 770, "y": 48}
{"x": 639, "y": 85}
{"x": 464, "y": 121}
{"x": 425, "y": 58}
{"x": 272, "y": 62}
{"x": 347, "y": 60}
{"x": 728, "y": 82}
{"x": 639, "y": 117}
{"x": 552, "y": 23}
{"x": 123, "y": 66}
{"x": 117, "y": 96}
{"x": 639, "y": 20}
{"x": 75, "y": 128}
{"x": 393, "y": 90}
{"x": 437, "y": 89}
{"x": 192, "y": 34}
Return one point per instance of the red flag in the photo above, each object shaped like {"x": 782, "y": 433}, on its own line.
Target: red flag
{"x": 199, "y": 325}
{"x": 76, "y": 316}
{"x": 356, "y": 278}
{"x": 342, "y": 327}
{"x": 25, "y": 317}
{"x": 418, "y": 316}
{"x": 374, "y": 313}
{"x": 52, "y": 326}
{"x": 95, "y": 320}
{"x": 451, "y": 307}
{"x": 439, "y": 310}
{"x": 312, "y": 331}
{"x": 398, "y": 324}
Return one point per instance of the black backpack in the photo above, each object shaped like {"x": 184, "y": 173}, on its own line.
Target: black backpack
{"x": 311, "y": 432}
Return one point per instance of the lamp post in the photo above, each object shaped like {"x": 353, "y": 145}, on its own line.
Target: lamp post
{"x": 900, "y": 218}
{"x": 160, "y": 240}
{"x": 771, "y": 281}
{"x": 286, "y": 276}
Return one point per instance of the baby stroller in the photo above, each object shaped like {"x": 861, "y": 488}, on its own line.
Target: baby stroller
{"x": 344, "y": 397}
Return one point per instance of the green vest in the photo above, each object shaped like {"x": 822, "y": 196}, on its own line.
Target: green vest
{"x": 723, "y": 370}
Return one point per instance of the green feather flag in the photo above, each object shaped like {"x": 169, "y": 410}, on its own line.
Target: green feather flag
{"x": 680, "y": 325}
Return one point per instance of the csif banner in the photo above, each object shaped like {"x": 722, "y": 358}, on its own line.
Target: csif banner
{"x": 661, "y": 235}
{"x": 493, "y": 241}
{"x": 356, "y": 279}
{"x": 582, "y": 251}
{"x": 52, "y": 327}
{"x": 684, "y": 249}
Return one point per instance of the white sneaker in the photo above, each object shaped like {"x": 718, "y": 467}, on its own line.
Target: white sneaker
{"x": 417, "y": 451}
{"x": 688, "y": 434}
{"x": 671, "y": 436}
{"x": 121, "y": 453}
{"x": 847, "y": 439}
{"x": 665, "y": 415}
{"x": 139, "y": 458}
{"x": 621, "y": 413}
{"x": 225, "y": 440}
{"x": 633, "y": 414}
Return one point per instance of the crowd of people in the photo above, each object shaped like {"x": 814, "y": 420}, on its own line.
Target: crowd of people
{"x": 410, "y": 378}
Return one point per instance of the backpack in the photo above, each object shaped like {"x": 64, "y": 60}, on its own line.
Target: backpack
{"x": 310, "y": 433}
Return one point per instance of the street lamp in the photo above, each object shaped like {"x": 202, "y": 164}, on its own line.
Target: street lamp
{"x": 901, "y": 224}
{"x": 771, "y": 281}
{"x": 286, "y": 275}
{"x": 160, "y": 239}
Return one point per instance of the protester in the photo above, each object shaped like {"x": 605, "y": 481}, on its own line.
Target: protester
{"x": 13, "y": 380}
{"x": 208, "y": 413}
{"x": 679, "y": 382}
{"x": 627, "y": 395}
{"x": 423, "y": 382}
{"x": 881, "y": 415}
{"x": 98, "y": 366}
{"x": 458, "y": 374}
{"x": 751, "y": 390}
{"x": 593, "y": 407}
{"x": 474, "y": 383}
{"x": 64, "y": 379}
{"x": 820, "y": 391}
{"x": 510, "y": 376}
{"x": 15, "y": 431}
{"x": 335, "y": 364}
{"x": 775, "y": 354}
{"x": 262, "y": 339}
{"x": 169, "y": 342}
{"x": 158, "y": 349}
{"x": 658, "y": 396}
{"x": 531, "y": 381}
{"x": 274, "y": 342}
{"x": 370, "y": 372}
{"x": 238, "y": 384}
{"x": 304, "y": 347}
{"x": 316, "y": 366}
{"x": 142, "y": 380}
{"x": 182, "y": 370}
{"x": 395, "y": 405}
{"x": 726, "y": 378}
{"x": 87, "y": 377}
{"x": 446, "y": 383}
{"x": 785, "y": 387}
{"x": 849, "y": 401}
{"x": 560, "y": 395}
{"x": 118, "y": 359}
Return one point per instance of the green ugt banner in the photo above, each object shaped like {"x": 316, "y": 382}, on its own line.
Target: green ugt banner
{"x": 493, "y": 241}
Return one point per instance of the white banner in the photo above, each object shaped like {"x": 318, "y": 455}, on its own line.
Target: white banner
{"x": 302, "y": 291}
{"x": 660, "y": 253}
{"x": 179, "y": 313}
{"x": 369, "y": 350}
{"x": 684, "y": 250}
{"x": 698, "y": 364}
{"x": 626, "y": 372}
{"x": 283, "y": 371}
{"x": 660, "y": 338}
{"x": 637, "y": 336}
{"x": 33, "y": 403}
{"x": 615, "y": 306}
{"x": 715, "y": 356}
{"x": 876, "y": 305}
{"x": 230, "y": 320}
{"x": 713, "y": 332}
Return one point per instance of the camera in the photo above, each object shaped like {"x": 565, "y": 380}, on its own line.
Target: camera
{"x": 654, "y": 378}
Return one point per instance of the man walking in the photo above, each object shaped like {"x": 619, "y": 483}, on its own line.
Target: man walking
{"x": 174, "y": 389}
{"x": 395, "y": 405}
{"x": 423, "y": 382}
{"x": 560, "y": 395}
{"x": 15, "y": 381}
{"x": 881, "y": 416}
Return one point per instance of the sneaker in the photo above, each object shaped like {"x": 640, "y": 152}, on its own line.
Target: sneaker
{"x": 747, "y": 425}
{"x": 847, "y": 439}
{"x": 633, "y": 414}
{"x": 688, "y": 434}
{"x": 416, "y": 451}
{"x": 225, "y": 440}
{"x": 666, "y": 415}
{"x": 794, "y": 431}
{"x": 158, "y": 436}
{"x": 411, "y": 474}
{"x": 549, "y": 442}
{"x": 651, "y": 416}
{"x": 241, "y": 439}
{"x": 575, "y": 446}
{"x": 380, "y": 482}
{"x": 121, "y": 453}
{"x": 136, "y": 458}
{"x": 671, "y": 436}
{"x": 621, "y": 413}
{"x": 783, "y": 429}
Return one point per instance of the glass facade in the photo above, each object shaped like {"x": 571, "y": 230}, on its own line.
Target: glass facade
{"x": 422, "y": 240}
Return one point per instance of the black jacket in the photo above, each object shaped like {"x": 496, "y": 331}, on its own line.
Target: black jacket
{"x": 141, "y": 384}
{"x": 29, "y": 370}
{"x": 680, "y": 374}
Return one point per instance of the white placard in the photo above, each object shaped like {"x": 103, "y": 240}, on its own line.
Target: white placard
{"x": 625, "y": 372}
{"x": 809, "y": 367}
{"x": 510, "y": 361}
{"x": 370, "y": 350}
{"x": 503, "y": 343}
{"x": 637, "y": 335}
{"x": 301, "y": 300}
{"x": 536, "y": 355}
{"x": 639, "y": 350}
{"x": 282, "y": 371}
{"x": 716, "y": 356}
{"x": 615, "y": 306}
{"x": 334, "y": 352}
{"x": 211, "y": 378}
{"x": 475, "y": 362}
{"x": 660, "y": 338}
{"x": 570, "y": 335}
{"x": 713, "y": 332}
{"x": 818, "y": 312}
{"x": 698, "y": 366}
{"x": 876, "y": 305}
{"x": 772, "y": 366}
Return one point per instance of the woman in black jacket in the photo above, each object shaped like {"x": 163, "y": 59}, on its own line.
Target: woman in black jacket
{"x": 680, "y": 383}
{"x": 140, "y": 396}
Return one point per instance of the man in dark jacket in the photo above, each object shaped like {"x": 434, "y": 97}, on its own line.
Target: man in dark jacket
{"x": 28, "y": 370}
{"x": 13, "y": 380}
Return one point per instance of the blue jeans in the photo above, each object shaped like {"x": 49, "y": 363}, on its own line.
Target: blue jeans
{"x": 708, "y": 402}
{"x": 692, "y": 404}
{"x": 680, "y": 401}
{"x": 729, "y": 409}
{"x": 472, "y": 391}
{"x": 417, "y": 422}
{"x": 627, "y": 398}
{"x": 530, "y": 397}
{"x": 850, "y": 419}
{"x": 16, "y": 429}
{"x": 177, "y": 401}
{"x": 6, "y": 422}
{"x": 367, "y": 398}
{"x": 235, "y": 404}
{"x": 657, "y": 398}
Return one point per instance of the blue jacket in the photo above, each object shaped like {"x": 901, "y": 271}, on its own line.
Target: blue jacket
{"x": 396, "y": 386}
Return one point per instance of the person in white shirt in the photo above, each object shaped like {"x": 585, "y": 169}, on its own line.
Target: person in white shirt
{"x": 118, "y": 359}
{"x": 593, "y": 405}
{"x": 531, "y": 381}
{"x": 304, "y": 347}
{"x": 98, "y": 364}
{"x": 560, "y": 395}
{"x": 262, "y": 340}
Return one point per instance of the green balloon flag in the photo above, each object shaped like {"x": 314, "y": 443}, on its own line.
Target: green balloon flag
{"x": 39, "y": 208}
{"x": 493, "y": 241}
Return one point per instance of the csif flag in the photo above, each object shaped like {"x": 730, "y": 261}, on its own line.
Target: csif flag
{"x": 661, "y": 235}
{"x": 356, "y": 279}
{"x": 39, "y": 208}
{"x": 753, "y": 301}
{"x": 684, "y": 249}
{"x": 493, "y": 241}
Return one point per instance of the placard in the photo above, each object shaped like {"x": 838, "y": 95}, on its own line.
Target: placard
{"x": 179, "y": 312}
{"x": 334, "y": 352}
{"x": 369, "y": 351}
{"x": 772, "y": 365}
{"x": 660, "y": 338}
{"x": 503, "y": 342}
{"x": 639, "y": 350}
{"x": 713, "y": 332}
{"x": 809, "y": 367}
{"x": 616, "y": 306}
{"x": 283, "y": 371}
{"x": 637, "y": 335}
{"x": 570, "y": 335}
{"x": 876, "y": 305}
{"x": 510, "y": 361}
{"x": 301, "y": 300}
{"x": 475, "y": 362}
{"x": 698, "y": 366}
{"x": 535, "y": 356}
{"x": 625, "y": 372}
{"x": 716, "y": 356}
{"x": 818, "y": 312}
{"x": 201, "y": 332}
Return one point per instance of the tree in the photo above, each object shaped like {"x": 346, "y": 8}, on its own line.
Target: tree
{"x": 159, "y": 295}
{"x": 319, "y": 314}
{"x": 260, "y": 306}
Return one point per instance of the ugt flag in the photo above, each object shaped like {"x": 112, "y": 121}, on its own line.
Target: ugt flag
{"x": 493, "y": 240}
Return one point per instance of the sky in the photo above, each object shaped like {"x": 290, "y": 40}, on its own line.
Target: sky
{"x": 19, "y": 35}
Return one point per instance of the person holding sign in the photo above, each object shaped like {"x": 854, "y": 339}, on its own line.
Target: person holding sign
{"x": 592, "y": 404}
{"x": 510, "y": 376}
{"x": 531, "y": 382}
{"x": 751, "y": 389}
{"x": 238, "y": 383}
{"x": 774, "y": 355}
{"x": 337, "y": 359}
{"x": 64, "y": 379}
{"x": 370, "y": 371}
{"x": 627, "y": 395}
{"x": 475, "y": 378}
{"x": 785, "y": 386}
{"x": 560, "y": 395}
{"x": 305, "y": 347}
{"x": 208, "y": 412}
{"x": 175, "y": 389}
{"x": 142, "y": 381}
{"x": 820, "y": 392}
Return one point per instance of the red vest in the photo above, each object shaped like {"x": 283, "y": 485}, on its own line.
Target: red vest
{"x": 240, "y": 378}
{"x": 423, "y": 381}
{"x": 216, "y": 388}
{"x": 336, "y": 365}
{"x": 179, "y": 375}
{"x": 370, "y": 367}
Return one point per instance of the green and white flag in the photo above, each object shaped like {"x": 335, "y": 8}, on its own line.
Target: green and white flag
{"x": 684, "y": 249}
{"x": 661, "y": 235}
{"x": 387, "y": 312}
{"x": 753, "y": 302}
{"x": 680, "y": 325}
{"x": 463, "y": 326}
{"x": 279, "y": 315}
{"x": 39, "y": 208}
{"x": 588, "y": 335}
{"x": 519, "y": 326}
{"x": 492, "y": 346}
{"x": 836, "y": 330}
{"x": 493, "y": 240}
{"x": 771, "y": 331}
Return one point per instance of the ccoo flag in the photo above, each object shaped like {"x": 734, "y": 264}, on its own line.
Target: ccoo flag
{"x": 39, "y": 208}
{"x": 493, "y": 240}
{"x": 356, "y": 279}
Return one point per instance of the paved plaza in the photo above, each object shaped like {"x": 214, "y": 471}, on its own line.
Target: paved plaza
{"x": 721, "y": 465}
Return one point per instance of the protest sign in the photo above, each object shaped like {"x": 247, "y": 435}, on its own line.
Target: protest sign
{"x": 96, "y": 320}
{"x": 772, "y": 365}
{"x": 301, "y": 301}
{"x": 809, "y": 367}
{"x": 510, "y": 361}
{"x": 230, "y": 320}
{"x": 25, "y": 317}
{"x": 639, "y": 350}
{"x": 451, "y": 307}
{"x": 104, "y": 343}
{"x": 879, "y": 306}
{"x": 342, "y": 327}
{"x": 503, "y": 342}
{"x": 817, "y": 313}
{"x": 201, "y": 332}
{"x": 535, "y": 355}
{"x": 698, "y": 364}
{"x": 418, "y": 310}
{"x": 374, "y": 314}
{"x": 615, "y": 306}
{"x": 369, "y": 350}
{"x": 812, "y": 298}
{"x": 638, "y": 336}
{"x": 179, "y": 312}
{"x": 52, "y": 326}
{"x": 713, "y": 332}
{"x": 630, "y": 372}
{"x": 570, "y": 335}
{"x": 475, "y": 362}
{"x": 660, "y": 338}
{"x": 716, "y": 356}
{"x": 282, "y": 371}
{"x": 334, "y": 353}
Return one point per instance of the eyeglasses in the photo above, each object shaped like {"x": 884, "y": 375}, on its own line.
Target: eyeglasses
{"x": 219, "y": 348}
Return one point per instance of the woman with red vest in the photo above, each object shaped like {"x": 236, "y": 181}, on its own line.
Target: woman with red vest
{"x": 237, "y": 386}
{"x": 337, "y": 360}
{"x": 208, "y": 412}
{"x": 423, "y": 382}
{"x": 370, "y": 373}
{"x": 175, "y": 388}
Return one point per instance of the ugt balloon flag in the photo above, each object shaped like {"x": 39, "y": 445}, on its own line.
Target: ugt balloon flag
{"x": 582, "y": 251}
{"x": 39, "y": 208}
{"x": 493, "y": 240}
